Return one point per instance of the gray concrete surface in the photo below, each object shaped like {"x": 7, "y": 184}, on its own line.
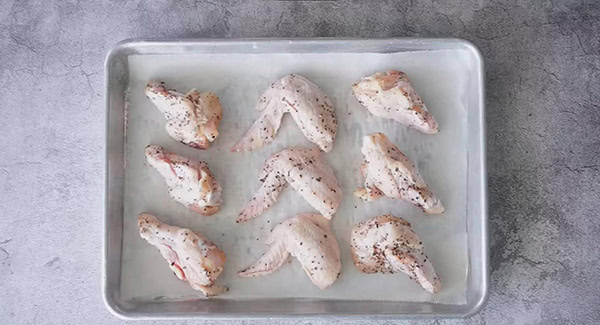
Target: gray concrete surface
{"x": 543, "y": 94}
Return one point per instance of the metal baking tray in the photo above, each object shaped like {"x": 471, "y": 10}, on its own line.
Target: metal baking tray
{"x": 116, "y": 79}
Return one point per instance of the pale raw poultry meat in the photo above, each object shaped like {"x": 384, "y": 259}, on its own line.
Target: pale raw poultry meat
{"x": 388, "y": 172}
{"x": 192, "y": 119}
{"x": 387, "y": 244}
{"x": 310, "y": 108}
{"x": 191, "y": 256}
{"x": 391, "y": 95}
{"x": 190, "y": 182}
{"x": 307, "y": 237}
{"x": 306, "y": 170}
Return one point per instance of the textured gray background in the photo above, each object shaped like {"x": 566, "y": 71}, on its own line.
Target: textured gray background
{"x": 543, "y": 89}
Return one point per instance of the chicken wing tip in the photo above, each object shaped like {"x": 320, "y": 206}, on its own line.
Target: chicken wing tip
{"x": 245, "y": 273}
{"x": 437, "y": 210}
{"x": 243, "y": 217}
{"x": 242, "y": 146}
{"x": 434, "y": 130}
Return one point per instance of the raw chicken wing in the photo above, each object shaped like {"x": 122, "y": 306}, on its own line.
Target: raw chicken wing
{"x": 306, "y": 170}
{"x": 190, "y": 181}
{"x": 192, "y": 257}
{"x": 390, "y": 95}
{"x": 389, "y": 172}
{"x": 192, "y": 119}
{"x": 307, "y": 237}
{"x": 305, "y": 101}
{"x": 387, "y": 244}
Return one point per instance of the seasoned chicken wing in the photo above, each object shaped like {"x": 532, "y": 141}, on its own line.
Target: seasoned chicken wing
{"x": 387, "y": 244}
{"x": 305, "y": 101}
{"x": 192, "y": 118}
{"x": 192, "y": 257}
{"x": 307, "y": 237}
{"x": 190, "y": 181}
{"x": 391, "y": 95}
{"x": 389, "y": 172}
{"x": 306, "y": 170}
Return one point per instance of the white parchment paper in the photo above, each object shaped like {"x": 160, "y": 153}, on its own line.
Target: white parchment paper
{"x": 238, "y": 80}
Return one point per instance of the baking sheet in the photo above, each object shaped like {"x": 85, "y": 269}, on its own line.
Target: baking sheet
{"x": 440, "y": 77}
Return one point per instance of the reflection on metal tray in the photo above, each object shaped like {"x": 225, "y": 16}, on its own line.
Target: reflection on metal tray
{"x": 119, "y": 233}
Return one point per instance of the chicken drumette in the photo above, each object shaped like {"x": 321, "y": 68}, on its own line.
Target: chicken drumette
{"x": 190, "y": 181}
{"x": 192, "y": 119}
{"x": 192, "y": 257}
{"x": 387, "y": 244}
{"x": 391, "y": 95}
{"x": 389, "y": 172}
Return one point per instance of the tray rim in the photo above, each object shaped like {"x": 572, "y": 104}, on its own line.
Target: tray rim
{"x": 126, "y": 45}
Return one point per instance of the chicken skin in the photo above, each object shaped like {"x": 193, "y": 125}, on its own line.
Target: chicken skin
{"x": 387, "y": 244}
{"x": 306, "y": 170}
{"x": 192, "y": 257}
{"x": 307, "y": 237}
{"x": 389, "y": 172}
{"x": 391, "y": 95}
{"x": 192, "y": 119}
{"x": 305, "y": 101}
{"x": 190, "y": 181}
